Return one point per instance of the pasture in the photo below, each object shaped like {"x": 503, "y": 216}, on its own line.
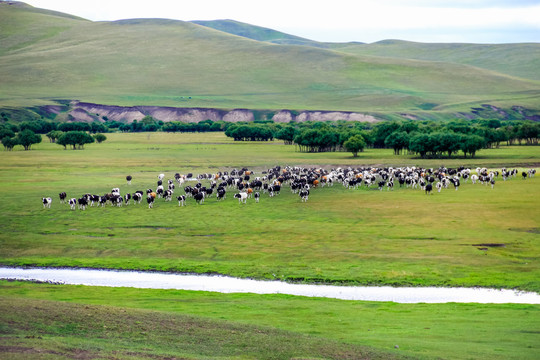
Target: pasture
{"x": 363, "y": 236}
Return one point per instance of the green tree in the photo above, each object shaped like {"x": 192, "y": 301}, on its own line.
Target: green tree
{"x": 9, "y": 142}
{"x": 398, "y": 140}
{"x": 421, "y": 144}
{"x": 100, "y": 138}
{"x": 6, "y": 131}
{"x": 286, "y": 134}
{"x": 97, "y": 127}
{"x": 355, "y": 144}
{"x": 27, "y": 138}
{"x": 75, "y": 139}
{"x": 470, "y": 144}
{"x": 53, "y": 135}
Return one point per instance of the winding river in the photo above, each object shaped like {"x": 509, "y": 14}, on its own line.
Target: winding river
{"x": 224, "y": 284}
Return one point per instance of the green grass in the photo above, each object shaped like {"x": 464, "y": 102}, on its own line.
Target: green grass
{"x": 360, "y": 236}
{"x": 156, "y": 62}
{"x": 145, "y": 322}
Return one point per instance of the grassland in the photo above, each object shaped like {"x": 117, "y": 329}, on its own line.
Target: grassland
{"x": 45, "y": 57}
{"x": 363, "y": 236}
{"x": 137, "y": 322}
{"x": 342, "y": 236}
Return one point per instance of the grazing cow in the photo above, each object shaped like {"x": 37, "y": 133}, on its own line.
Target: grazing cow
{"x": 83, "y": 203}
{"x": 390, "y": 185}
{"x": 128, "y": 178}
{"x": 381, "y": 184}
{"x": 456, "y": 182}
{"x": 137, "y": 197}
{"x": 429, "y": 187}
{"x": 439, "y": 186}
{"x": 161, "y": 177}
{"x": 199, "y": 197}
{"x": 72, "y": 203}
{"x": 168, "y": 195}
{"x": 531, "y": 172}
{"x": 127, "y": 197}
{"x": 221, "y": 193}
{"x": 524, "y": 174}
{"x": 117, "y": 200}
{"x": 93, "y": 199}
{"x": 159, "y": 191}
{"x": 102, "y": 200}
{"x": 242, "y": 197}
{"x": 181, "y": 200}
{"x": 304, "y": 194}
{"x": 46, "y": 202}
{"x": 492, "y": 182}
{"x": 474, "y": 178}
{"x": 257, "y": 196}
{"x": 150, "y": 200}
{"x": 62, "y": 196}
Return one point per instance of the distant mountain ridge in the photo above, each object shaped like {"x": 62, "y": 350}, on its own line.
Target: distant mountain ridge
{"x": 46, "y": 56}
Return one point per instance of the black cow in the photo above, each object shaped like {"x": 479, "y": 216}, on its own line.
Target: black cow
{"x": 62, "y": 196}
{"x": 199, "y": 197}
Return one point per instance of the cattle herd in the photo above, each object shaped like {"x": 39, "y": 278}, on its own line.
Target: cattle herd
{"x": 246, "y": 184}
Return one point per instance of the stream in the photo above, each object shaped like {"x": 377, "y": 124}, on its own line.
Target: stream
{"x": 224, "y": 284}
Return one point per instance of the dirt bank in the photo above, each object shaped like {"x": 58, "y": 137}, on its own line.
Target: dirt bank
{"x": 88, "y": 112}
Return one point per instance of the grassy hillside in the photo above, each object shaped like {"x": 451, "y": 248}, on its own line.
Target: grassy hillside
{"x": 258, "y": 33}
{"x": 175, "y": 63}
{"x": 520, "y": 60}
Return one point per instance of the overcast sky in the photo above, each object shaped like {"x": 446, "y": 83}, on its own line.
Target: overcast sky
{"x": 473, "y": 21}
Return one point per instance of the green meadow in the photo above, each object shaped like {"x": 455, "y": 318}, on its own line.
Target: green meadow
{"x": 362, "y": 236}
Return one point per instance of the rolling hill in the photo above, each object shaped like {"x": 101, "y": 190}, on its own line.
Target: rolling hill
{"x": 47, "y": 56}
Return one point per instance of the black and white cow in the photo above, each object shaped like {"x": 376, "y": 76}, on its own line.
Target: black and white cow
{"x": 72, "y": 203}
{"x": 304, "y": 194}
{"x": 150, "y": 200}
{"x": 242, "y": 197}
{"x": 137, "y": 197}
{"x": 221, "y": 192}
{"x": 62, "y": 197}
{"x": 46, "y": 202}
{"x": 168, "y": 195}
{"x": 127, "y": 198}
{"x": 83, "y": 203}
{"x": 257, "y": 196}
{"x": 181, "y": 200}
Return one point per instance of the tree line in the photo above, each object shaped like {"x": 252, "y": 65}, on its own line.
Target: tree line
{"x": 433, "y": 139}
{"x": 424, "y": 138}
